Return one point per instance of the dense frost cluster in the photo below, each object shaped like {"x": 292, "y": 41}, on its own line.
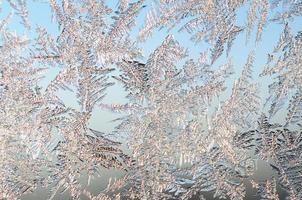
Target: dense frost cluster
{"x": 192, "y": 130}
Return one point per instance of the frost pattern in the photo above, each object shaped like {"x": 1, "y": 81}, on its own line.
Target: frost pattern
{"x": 190, "y": 132}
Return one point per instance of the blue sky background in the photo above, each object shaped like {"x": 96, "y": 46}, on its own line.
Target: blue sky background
{"x": 40, "y": 14}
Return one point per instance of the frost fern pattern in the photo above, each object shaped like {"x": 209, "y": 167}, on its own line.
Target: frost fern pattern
{"x": 194, "y": 121}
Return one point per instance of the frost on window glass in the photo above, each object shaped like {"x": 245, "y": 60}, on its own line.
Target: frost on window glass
{"x": 206, "y": 97}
